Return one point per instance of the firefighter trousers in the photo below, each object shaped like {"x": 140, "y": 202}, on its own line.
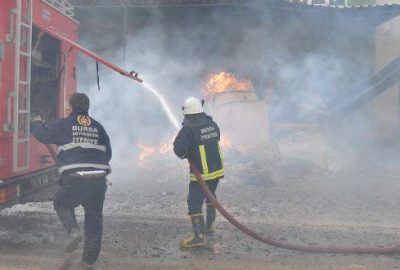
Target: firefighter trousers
{"x": 90, "y": 193}
{"x": 196, "y": 197}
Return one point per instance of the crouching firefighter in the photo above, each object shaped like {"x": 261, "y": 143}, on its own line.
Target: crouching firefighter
{"x": 198, "y": 140}
{"x": 83, "y": 160}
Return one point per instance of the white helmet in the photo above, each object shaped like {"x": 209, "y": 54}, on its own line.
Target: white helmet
{"x": 192, "y": 105}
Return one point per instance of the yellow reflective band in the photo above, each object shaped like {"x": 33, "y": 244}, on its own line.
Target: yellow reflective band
{"x": 203, "y": 158}
{"x": 220, "y": 155}
{"x": 209, "y": 176}
{"x": 197, "y": 215}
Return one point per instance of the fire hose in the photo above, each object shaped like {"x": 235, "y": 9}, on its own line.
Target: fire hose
{"x": 270, "y": 240}
{"x": 280, "y": 244}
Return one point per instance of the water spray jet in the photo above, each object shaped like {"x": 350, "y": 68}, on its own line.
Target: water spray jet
{"x": 167, "y": 109}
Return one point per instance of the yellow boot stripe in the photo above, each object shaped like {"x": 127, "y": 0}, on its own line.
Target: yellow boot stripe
{"x": 188, "y": 243}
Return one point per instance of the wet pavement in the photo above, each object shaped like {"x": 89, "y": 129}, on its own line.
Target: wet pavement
{"x": 145, "y": 217}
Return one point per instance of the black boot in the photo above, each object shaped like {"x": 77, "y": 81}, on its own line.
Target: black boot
{"x": 198, "y": 237}
{"x": 68, "y": 220}
{"x": 210, "y": 228}
{"x": 75, "y": 238}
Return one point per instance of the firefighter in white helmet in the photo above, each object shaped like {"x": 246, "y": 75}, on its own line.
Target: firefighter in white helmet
{"x": 198, "y": 140}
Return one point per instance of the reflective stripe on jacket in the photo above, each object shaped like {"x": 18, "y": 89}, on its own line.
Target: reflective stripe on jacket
{"x": 198, "y": 140}
{"x": 82, "y": 142}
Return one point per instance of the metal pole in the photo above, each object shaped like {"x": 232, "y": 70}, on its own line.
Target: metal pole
{"x": 53, "y": 32}
{"x": 125, "y": 15}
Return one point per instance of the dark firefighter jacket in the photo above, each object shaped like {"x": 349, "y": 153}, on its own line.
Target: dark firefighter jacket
{"x": 198, "y": 140}
{"x": 82, "y": 142}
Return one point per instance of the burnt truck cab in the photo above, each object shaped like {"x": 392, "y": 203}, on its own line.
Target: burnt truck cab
{"x": 37, "y": 71}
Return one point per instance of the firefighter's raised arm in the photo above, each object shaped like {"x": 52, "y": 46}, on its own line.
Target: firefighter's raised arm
{"x": 47, "y": 133}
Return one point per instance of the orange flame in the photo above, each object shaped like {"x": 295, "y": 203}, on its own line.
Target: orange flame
{"x": 225, "y": 81}
{"x": 149, "y": 151}
{"x": 146, "y": 151}
{"x": 164, "y": 148}
{"x": 225, "y": 141}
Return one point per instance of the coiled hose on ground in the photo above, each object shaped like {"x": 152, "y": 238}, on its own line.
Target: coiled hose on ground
{"x": 280, "y": 244}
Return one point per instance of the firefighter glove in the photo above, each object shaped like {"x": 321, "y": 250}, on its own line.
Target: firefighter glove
{"x": 36, "y": 115}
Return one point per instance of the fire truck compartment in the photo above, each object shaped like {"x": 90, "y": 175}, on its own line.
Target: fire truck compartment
{"x": 45, "y": 74}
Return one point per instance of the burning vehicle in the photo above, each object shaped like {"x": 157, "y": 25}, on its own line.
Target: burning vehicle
{"x": 247, "y": 127}
{"x": 236, "y": 106}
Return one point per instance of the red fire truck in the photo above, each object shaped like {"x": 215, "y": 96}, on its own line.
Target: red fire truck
{"x": 38, "y": 56}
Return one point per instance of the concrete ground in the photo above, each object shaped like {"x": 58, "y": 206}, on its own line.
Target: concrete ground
{"x": 145, "y": 217}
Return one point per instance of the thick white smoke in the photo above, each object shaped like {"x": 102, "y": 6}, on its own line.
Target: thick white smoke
{"x": 311, "y": 66}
